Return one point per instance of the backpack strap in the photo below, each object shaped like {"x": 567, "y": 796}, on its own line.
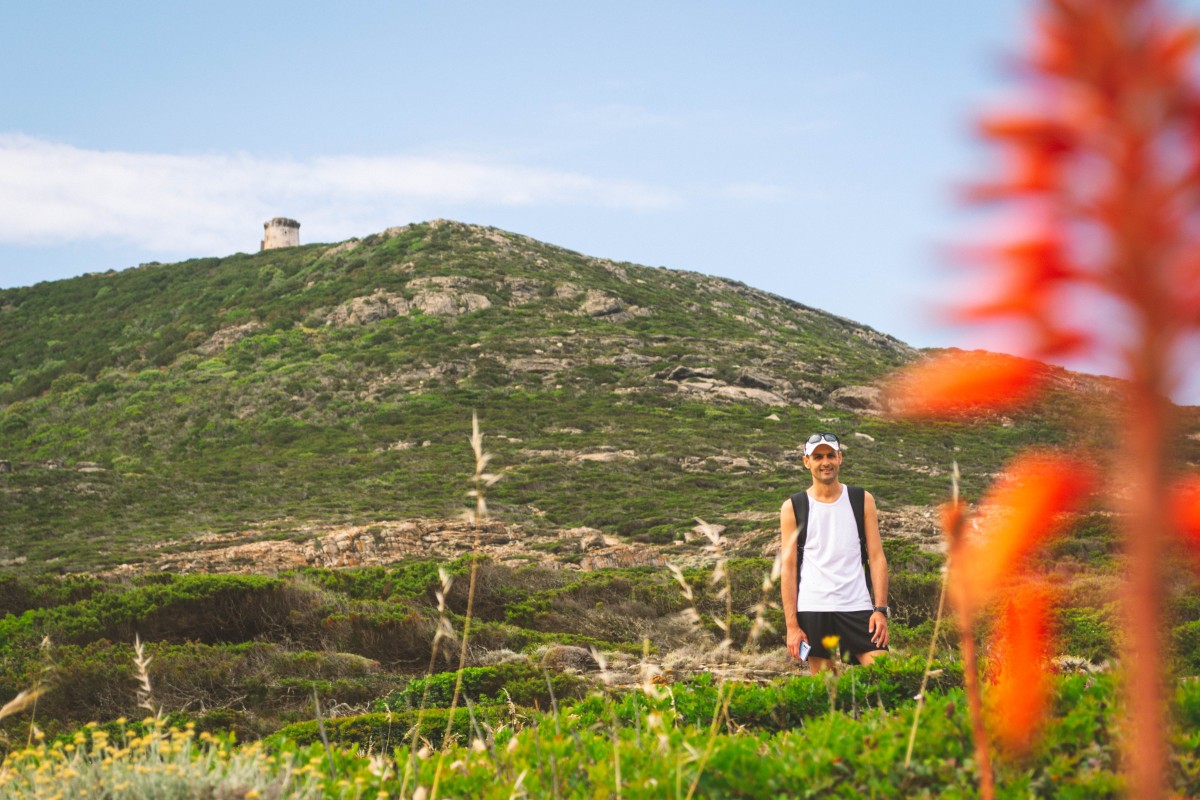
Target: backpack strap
{"x": 800, "y": 509}
{"x": 858, "y": 504}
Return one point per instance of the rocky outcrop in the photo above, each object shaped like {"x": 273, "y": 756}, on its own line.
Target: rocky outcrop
{"x": 225, "y": 337}
{"x": 601, "y": 305}
{"x": 368, "y": 309}
{"x": 449, "y": 303}
{"x": 858, "y": 398}
{"x": 522, "y": 290}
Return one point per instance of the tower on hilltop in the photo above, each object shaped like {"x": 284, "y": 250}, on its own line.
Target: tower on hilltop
{"x": 280, "y": 232}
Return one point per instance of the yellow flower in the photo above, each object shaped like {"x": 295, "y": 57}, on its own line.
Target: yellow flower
{"x": 831, "y": 642}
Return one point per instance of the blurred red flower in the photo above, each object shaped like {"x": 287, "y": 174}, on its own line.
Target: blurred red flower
{"x": 1019, "y": 666}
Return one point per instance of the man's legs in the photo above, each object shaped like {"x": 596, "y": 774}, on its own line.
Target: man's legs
{"x": 867, "y": 659}
{"x": 819, "y": 665}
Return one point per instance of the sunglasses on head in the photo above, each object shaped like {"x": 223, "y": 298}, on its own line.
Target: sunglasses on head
{"x": 817, "y": 438}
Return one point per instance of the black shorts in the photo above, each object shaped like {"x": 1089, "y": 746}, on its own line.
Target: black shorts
{"x": 851, "y": 628}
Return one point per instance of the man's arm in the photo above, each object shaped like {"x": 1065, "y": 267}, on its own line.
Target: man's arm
{"x": 879, "y": 571}
{"x": 788, "y": 531}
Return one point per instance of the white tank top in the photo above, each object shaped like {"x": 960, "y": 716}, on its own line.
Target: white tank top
{"x": 831, "y": 575}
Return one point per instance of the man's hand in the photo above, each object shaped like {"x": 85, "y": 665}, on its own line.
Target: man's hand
{"x": 794, "y": 637}
{"x": 878, "y": 626}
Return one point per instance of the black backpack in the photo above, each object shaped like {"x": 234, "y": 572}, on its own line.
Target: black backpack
{"x": 858, "y": 501}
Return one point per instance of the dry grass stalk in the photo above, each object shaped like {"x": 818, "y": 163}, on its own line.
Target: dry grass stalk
{"x": 145, "y": 693}
{"x": 482, "y": 480}
{"x": 22, "y": 701}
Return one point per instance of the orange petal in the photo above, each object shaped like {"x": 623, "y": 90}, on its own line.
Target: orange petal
{"x": 1019, "y": 666}
{"x": 1042, "y": 133}
{"x": 960, "y": 383}
{"x": 1185, "y": 510}
{"x": 1021, "y": 511}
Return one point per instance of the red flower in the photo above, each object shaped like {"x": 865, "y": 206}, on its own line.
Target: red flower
{"x": 1185, "y": 510}
{"x": 1021, "y": 511}
{"x": 961, "y": 383}
{"x": 1019, "y": 667}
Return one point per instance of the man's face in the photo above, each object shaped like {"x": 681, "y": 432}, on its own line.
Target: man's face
{"x": 824, "y": 463}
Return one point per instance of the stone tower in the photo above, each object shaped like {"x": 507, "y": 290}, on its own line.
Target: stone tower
{"x": 280, "y": 232}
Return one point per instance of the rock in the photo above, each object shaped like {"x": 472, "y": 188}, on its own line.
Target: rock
{"x": 367, "y": 309}
{"x": 441, "y": 282}
{"x": 752, "y": 379}
{"x": 858, "y": 398}
{"x": 437, "y": 304}
{"x": 522, "y": 290}
{"x": 6, "y": 466}
{"x": 593, "y": 542}
{"x": 599, "y": 304}
{"x": 449, "y": 304}
{"x": 344, "y": 247}
{"x": 757, "y": 395}
{"x": 225, "y": 337}
{"x": 563, "y": 657}
{"x": 682, "y": 373}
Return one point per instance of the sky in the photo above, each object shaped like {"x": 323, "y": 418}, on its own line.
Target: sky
{"x": 809, "y": 148}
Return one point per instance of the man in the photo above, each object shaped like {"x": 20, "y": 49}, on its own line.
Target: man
{"x": 833, "y": 597}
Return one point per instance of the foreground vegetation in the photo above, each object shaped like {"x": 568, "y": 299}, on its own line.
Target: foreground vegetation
{"x": 667, "y": 741}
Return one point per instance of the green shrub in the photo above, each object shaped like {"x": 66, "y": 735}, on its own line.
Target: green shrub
{"x": 522, "y": 682}
{"x": 1187, "y": 648}
{"x": 381, "y": 732}
{"x": 1086, "y": 633}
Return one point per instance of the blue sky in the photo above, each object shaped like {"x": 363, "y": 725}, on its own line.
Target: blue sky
{"x": 807, "y": 148}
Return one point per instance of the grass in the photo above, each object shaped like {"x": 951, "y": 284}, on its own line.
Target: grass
{"x": 293, "y": 425}
{"x": 571, "y": 753}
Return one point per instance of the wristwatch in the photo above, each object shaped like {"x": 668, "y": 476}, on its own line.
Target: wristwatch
{"x": 884, "y": 610}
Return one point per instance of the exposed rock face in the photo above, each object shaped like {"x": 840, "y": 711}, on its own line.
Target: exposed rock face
{"x": 368, "y": 309}
{"x": 604, "y": 306}
{"x": 599, "y": 304}
{"x": 858, "y": 398}
{"x": 522, "y": 290}
{"x": 225, "y": 337}
{"x": 682, "y": 373}
{"x": 450, "y": 304}
{"x": 441, "y": 295}
{"x": 344, "y": 247}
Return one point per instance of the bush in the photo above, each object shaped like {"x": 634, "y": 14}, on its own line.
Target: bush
{"x": 1086, "y": 633}
{"x": 1187, "y": 648}
{"x": 381, "y": 732}
{"x": 525, "y": 684}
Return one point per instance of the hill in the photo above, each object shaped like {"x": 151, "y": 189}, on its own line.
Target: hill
{"x": 303, "y": 415}
{"x": 322, "y": 395}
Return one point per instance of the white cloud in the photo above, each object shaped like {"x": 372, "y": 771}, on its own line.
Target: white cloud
{"x": 54, "y": 193}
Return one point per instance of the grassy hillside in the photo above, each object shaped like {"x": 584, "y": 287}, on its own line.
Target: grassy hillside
{"x": 297, "y": 389}
{"x": 277, "y": 414}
